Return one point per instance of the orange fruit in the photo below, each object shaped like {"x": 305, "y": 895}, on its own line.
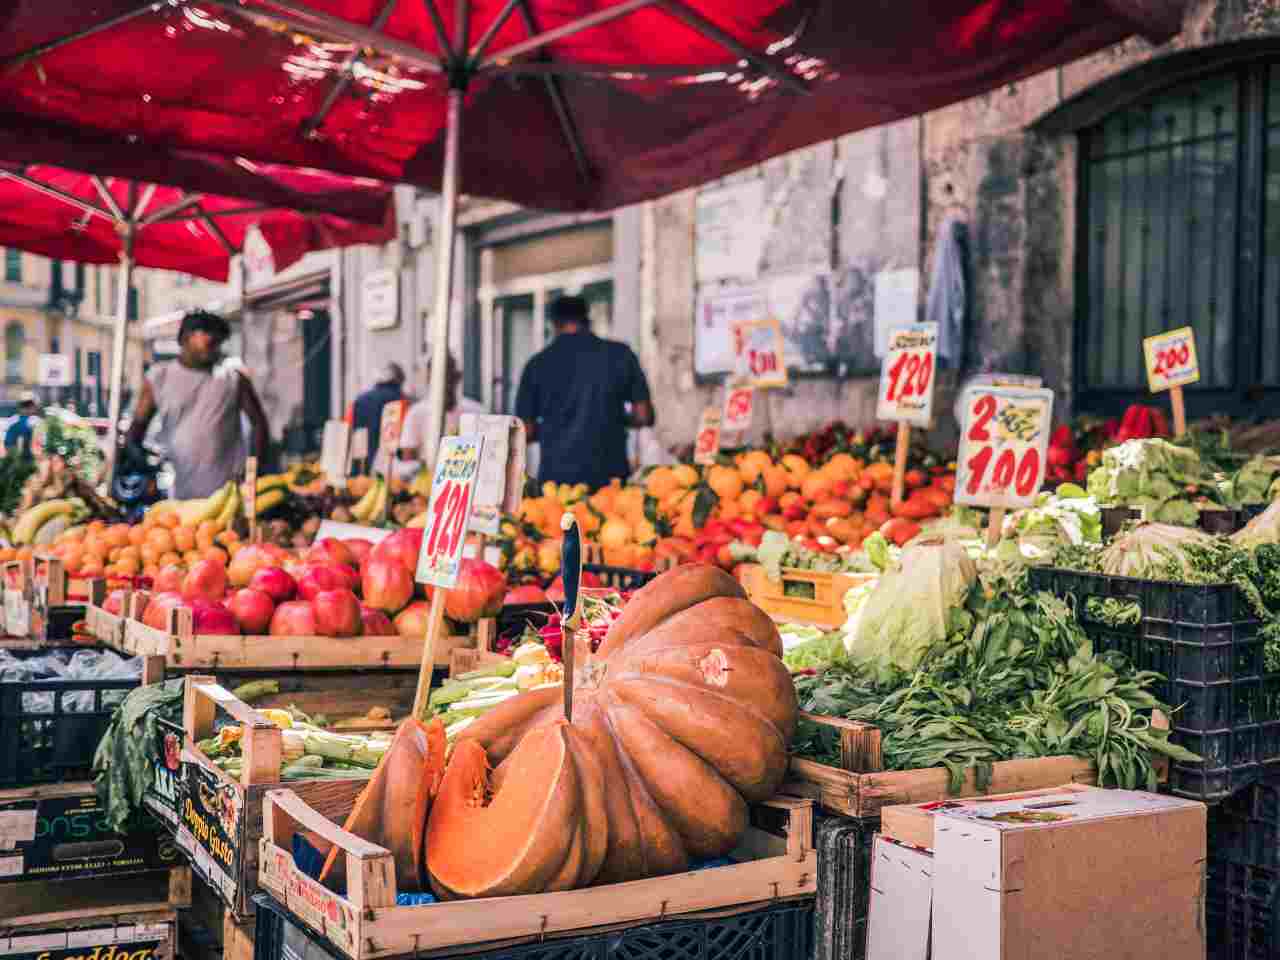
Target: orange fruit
{"x": 752, "y": 464}
{"x": 160, "y": 539}
{"x": 209, "y": 528}
{"x": 184, "y": 539}
{"x": 842, "y": 466}
{"x": 661, "y": 483}
{"x": 127, "y": 566}
{"x": 73, "y": 534}
{"x": 169, "y": 520}
{"x": 729, "y": 510}
{"x": 798, "y": 468}
{"x": 725, "y": 481}
{"x": 615, "y": 533}
{"x": 217, "y": 554}
{"x": 149, "y": 553}
{"x": 226, "y": 537}
{"x": 686, "y": 474}
{"x": 96, "y": 527}
{"x": 776, "y": 480}
{"x": 117, "y": 534}
{"x": 137, "y": 535}
{"x": 168, "y": 558}
{"x": 191, "y": 558}
{"x": 72, "y": 556}
{"x": 96, "y": 548}
{"x": 150, "y": 570}
{"x": 815, "y": 486}
{"x": 204, "y": 540}
{"x": 114, "y": 554}
{"x": 749, "y": 500}
{"x": 92, "y": 567}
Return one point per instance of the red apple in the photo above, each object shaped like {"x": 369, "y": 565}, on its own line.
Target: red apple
{"x": 375, "y": 623}
{"x": 297, "y": 618}
{"x": 360, "y": 550}
{"x": 403, "y": 545}
{"x": 316, "y": 579}
{"x": 386, "y": 585}
{"x": 412, "y": 620}
{"x": 275, "y": 583}
{"x": 330, "y": 550}
{"x": 206, "y": 580}
{"x": 337, "y": 613}
{"x": 253, "y": 609}
{"x": 525, "y": 593}
{"x": 212, "y": 619}
{"x": 248, "y": 561}
{"x": 169, "y": 579}
{"x": 156, "y": 615}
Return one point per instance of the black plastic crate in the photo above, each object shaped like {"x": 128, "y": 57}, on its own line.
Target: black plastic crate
{"x": 781, "y": 931}
{"x": 50, "y": 741}
{"x": 1242, "y": 884}
{"x": 1206, "y": 641}
{"x": 844, "y": 886}
{"x": 619, "y": 578}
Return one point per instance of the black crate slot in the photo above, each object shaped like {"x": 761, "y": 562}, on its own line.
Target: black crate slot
{"x": 1242, "y": 892}
{"x": 1205, "y": 640}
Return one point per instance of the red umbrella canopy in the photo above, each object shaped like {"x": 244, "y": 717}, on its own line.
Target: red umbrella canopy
{"x": 569, "y": 103}
{"x": 74, "y": 216}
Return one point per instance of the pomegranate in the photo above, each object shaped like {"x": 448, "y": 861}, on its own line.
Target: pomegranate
{"x": 206, "y": 580}
{"x": 297, "y": 618}
{"x": 275, "y": 583}
{"x": 479, "y": 592}
{"x": 386, "y": 585}
{"x": 212, "y": 619}
{"x": 337, "y": 613}
{"x": 376, "y": 623}
{"x": 252, "y": 609}
{"x": 525, "y": 593}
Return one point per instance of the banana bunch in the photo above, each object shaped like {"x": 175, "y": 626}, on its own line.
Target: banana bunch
{"x": 192, "y": 513}
{"x": 566, "y": 494}
{"x": 371, "y": 506}
{"x": 43, "y": 523}
{"x": 273, "y": 489}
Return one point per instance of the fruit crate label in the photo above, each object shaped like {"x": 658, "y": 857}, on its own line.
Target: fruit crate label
{"x": 907, "y": 375}
{"x": 163, "y": 795}
{"x": 706, "y": 445}
{"x": 67, "y": 838}
{"x": 148, "y": 941}
{"x": 449, "y": 513}
{"x": 211, "y": 812}
{"x": 1171, "y": 359}
{"x": 1003, "y": 444}
{"x": 759, "y": 353}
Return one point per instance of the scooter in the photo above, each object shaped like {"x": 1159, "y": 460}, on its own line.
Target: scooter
{"x": 135, "y": 484}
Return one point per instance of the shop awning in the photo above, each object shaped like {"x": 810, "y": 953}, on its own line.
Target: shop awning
{"x": 571, "y": 104}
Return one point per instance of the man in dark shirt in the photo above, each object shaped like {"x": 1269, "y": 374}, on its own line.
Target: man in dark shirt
{"x": 573, "y": 400}
{"x": 366, "y": 412}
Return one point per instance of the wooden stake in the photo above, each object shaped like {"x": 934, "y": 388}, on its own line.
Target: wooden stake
{"x": 1179, "y": 411}
{"x": 250, "y": 500}
{"x": 994, "y": 522}
{"x": 435, "y": 623}
{"x": 900, "y": 461}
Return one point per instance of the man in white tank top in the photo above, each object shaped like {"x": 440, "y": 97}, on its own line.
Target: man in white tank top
{"x": 199, "y": 398}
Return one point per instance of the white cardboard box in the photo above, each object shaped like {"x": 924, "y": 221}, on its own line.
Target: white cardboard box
{"x": 900, "y": 902}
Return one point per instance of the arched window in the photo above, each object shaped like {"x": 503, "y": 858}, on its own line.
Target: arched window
{"x": 1179, "y": 225}
{"x": 15, "y": 338}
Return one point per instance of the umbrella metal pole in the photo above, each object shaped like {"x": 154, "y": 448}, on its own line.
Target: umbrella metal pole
{"x": 118, "y": 344}
{"x": 444, "y": 269}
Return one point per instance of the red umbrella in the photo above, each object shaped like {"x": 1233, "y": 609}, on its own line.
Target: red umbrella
{"x": 75, "y": 216}
{"x": 570, "y": 103}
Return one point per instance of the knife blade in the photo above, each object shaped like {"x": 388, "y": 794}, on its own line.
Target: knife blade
{"x": 571, "y": 614}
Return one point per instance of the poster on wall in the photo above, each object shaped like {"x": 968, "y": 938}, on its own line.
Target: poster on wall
{"x": 730, "y": 231}
{"x": 801, "y": 303}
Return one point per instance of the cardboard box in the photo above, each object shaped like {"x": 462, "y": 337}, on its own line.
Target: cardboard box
{"x": 912, "y": 823}
{"x": 57, "y": 832}
{"x": 1101, "y": 875}
{"x": 901, "y": 901}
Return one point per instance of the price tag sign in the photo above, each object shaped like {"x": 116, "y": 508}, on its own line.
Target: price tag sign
{"x": 906, "y": 375}
{"x": 389, "y": 434}
{"x": 758, "y": 348}
{"x": 739, "y": 403}
{"x": 498, "y": 484}
{"x": 251, "y": 494}
{"x": 1171, "y": 359}
{"x": 1003, "y": 444}
{"x": 706, "y": 445}
{"x": 333, "y": 452}
{"x": 449, "y": 513}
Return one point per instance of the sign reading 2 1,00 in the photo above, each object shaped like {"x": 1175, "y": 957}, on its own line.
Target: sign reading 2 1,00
{"x": 1003, "y": 443}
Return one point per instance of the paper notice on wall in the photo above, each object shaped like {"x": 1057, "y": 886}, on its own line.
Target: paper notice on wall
{"x": 897, "y": 299}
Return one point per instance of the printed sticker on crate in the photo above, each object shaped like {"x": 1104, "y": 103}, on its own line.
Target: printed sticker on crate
{"x": 1171, "y": 359}
{"x": 112, "y": 942}
{"x": 1003, "y": 445}
{"x": 906, "y": 375}
{"x": 212, "y": 815}
{"x": 163, "y": 795}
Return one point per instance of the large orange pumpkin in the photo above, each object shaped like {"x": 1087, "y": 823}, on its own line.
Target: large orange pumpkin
{"x": 682, "y": 717}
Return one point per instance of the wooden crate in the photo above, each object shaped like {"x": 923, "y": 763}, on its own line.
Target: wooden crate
{"x": 180, "y": 649}
{"x": 802, "y": 596}
{"x": 143, "y": 934}
{"x": 210, "y": 931}
{"x": 42, "y": 902}
{"x": 778, "y": 861}
{"x": 221, "y": 818}
{"x": 861, "y": 788}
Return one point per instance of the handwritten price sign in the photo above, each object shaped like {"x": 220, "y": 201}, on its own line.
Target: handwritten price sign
{"x": 452, "y": 492}
{"x": 739, "y": 404}
{"x": 906, "y": 375}
{"x": 1003, "y": 445}
{"x": 706, "y": 444}
{"x": 1171, "y": 359}
{"x": 333, "y": 452}
{"x": 759, "y": 349}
